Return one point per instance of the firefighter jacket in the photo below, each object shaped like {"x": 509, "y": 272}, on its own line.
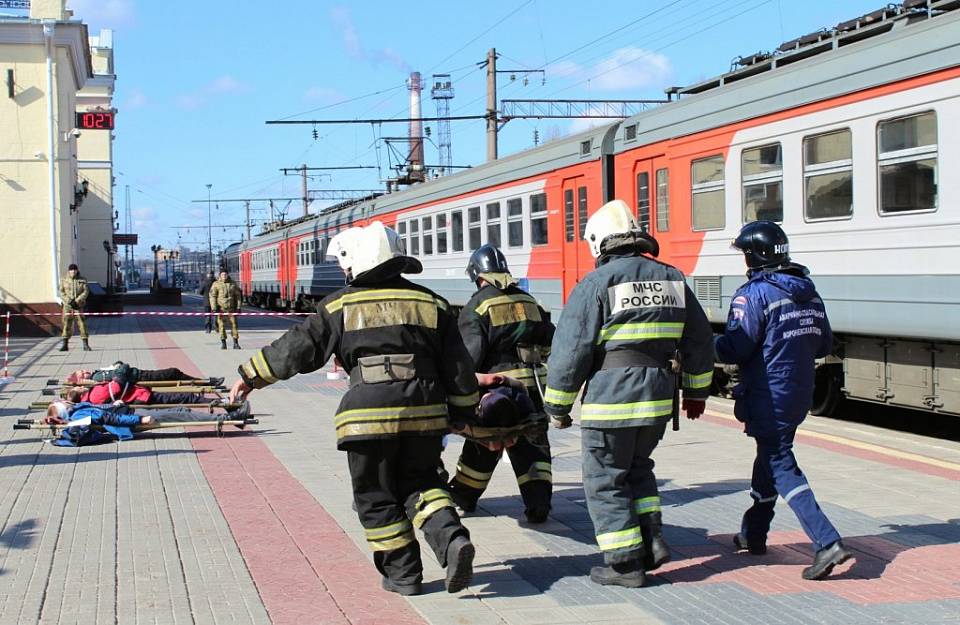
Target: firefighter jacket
{"x": 495, "y": 323}
{"x": 74, "y": 292}
{"x": 225, "y": 296}
{"x": 776, "y": 329}
{"x": 622, "y": 324}
{"x": 410, "y": 374}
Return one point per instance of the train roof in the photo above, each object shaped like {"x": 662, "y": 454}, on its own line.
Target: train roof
{"x": 899, "y": 42}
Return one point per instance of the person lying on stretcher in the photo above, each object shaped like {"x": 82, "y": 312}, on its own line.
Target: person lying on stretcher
{"x": 92, "y": 424}
{"x": 504, "y": 412}
{"x": 123, "y": 373}
{"x": 109, "y": 392}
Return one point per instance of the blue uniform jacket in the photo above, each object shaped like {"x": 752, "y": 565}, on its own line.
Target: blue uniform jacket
{"x": 776, "y": 329}
{"x": 116, "y": 420}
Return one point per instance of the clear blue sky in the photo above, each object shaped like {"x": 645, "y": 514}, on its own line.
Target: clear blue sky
{"x": 197, "y": 80}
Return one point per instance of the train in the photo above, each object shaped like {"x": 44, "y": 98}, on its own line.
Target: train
{"x": 841, "y": 136}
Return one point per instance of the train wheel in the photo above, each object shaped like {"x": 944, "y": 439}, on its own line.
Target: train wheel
{"x": 827, "y": 390}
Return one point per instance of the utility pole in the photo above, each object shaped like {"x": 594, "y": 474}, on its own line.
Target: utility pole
{"x": 209, "y": 231}
{"x": 247, "y": 220}
{"x": 303, "y": 178}
{"x": 492, "y": 104}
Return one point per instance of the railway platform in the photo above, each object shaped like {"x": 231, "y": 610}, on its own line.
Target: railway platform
{"x": 256, "y": 526}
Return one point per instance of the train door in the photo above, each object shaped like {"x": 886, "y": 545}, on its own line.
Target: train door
{"x": 650, "y": 176}
{"x": 577, "y": 261}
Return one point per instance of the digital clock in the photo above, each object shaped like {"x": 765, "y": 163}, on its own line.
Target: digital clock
{"x": 95, "y": 120}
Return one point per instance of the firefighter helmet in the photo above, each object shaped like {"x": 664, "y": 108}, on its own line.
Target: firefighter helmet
{"x": 614, "y": 226}
{"x": 764, "y": 245}
{"x": 486, "y": 259}
{"x": 359, "y": 250}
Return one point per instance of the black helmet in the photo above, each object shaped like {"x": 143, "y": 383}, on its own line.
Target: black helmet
{"x": 486, "y": 259}
{"x": 764, "y": 244}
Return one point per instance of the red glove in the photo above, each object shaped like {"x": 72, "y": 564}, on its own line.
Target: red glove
{"x": 694, "y": 407}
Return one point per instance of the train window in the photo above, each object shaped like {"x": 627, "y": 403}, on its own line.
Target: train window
{"x": 427, "y": 235}
{"x": 828, "y": 175}
{"x": 456, "y": 223}
{"x": 630, "y": 132}
{"x": 323, "y": 248}
{"x": 314, "y": 244}
{"x": 442, "y": 233}
{"x": 663, "y": 200}
{"x": 707, "y": 205}
{"x": 473, "y": 223}
{"x": 402, "y": 233}
{"x": 494, "y": 224}
{"x": 585, "y": 147}
{"x": 582, "y": 209}
{"x": 538, "y": 219}
{"x": 907, "y": 161}
{"x": 643, "y": 200}
{"x": 414, "y": 237}
{"x": 568, "y": 225}
{"x": 762, "y": 171}
{"x": 515, "y": 222}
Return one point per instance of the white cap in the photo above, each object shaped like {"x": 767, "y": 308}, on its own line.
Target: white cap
{"x": 614, "y": 217}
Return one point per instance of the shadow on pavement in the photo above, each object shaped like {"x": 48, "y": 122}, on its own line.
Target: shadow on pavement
{"x": 69, "y": 455}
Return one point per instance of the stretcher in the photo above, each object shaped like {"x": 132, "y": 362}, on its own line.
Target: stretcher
{"x": 63, "y": 390}
{"x": 211, "y": 405}
{"x": 179, "y": 385}
{"x": 55, "y": 429}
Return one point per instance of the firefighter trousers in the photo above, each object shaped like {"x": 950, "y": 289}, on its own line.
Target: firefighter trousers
{"x": 530, "y": 458}
{"x": 397, "y": 488}
{"x": 222, "y": 320}
{"x": 620, "y": 486}
{"x": 71, "y": 314}
{"x": 776, "y": 473}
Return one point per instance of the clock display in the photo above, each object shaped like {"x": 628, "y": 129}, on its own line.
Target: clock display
{"x": 95, "y": 120}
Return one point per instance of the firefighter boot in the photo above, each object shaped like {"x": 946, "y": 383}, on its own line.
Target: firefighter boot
{"x": 627, "y": 574}
{"x": 223, "y": 343}
{"x": 655, "y": 549}
{"x": 65, "y": 346}
{"x": 406, "y": 590}
{"x": 825, "y": 560}
{"x": 460, "y": 554}
{"x": 236, "y": 343}
{"x": 86, "y": 346}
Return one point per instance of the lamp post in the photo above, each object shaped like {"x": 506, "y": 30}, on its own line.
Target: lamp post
{"x": 109, "y": 250}
{"x": 156, "y": 278}
{"x": 209, "y": 231}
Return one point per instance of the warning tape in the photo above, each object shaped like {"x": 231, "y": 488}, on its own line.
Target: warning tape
{"x": 164, "y": 314}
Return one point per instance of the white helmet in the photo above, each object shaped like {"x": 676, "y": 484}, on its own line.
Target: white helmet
{"x": 614, "y": 217}
{"x": 359, "y": 250}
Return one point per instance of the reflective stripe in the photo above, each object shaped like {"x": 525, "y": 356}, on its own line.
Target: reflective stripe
{"x": 249, "y": 370}
{"x": 429, "y": 503}
{"x": 386, "y": 313}
{"x": 504, "y": 299}
{"x": 777, "y": 304}
{"x": 389, "y": 413}
{"x": 477, "y": 475}
{"x": 635, "y": 410}
{"x": 391, "y": 420}
{"x": 383, "y": 428}
{"x": 542, "y": 471}
{"x": 472, "y": 483}
{"x": 760, "y": 498}
{"x": 389, "y": 544}
{"x": 645, "y": 505}
{"x": 464, "y": 401}
{"x": 642, "y": 331}
{"x": 382, "y": 295}
{"x": 514, "y": 312}
{"x": 390, "y": 537}
{"x": 701, "y": 380}
{"x": 620, "y": 540}
{"x": 796, "y": 491}
{"x": 260, "y": 364}
{"x": 560, "y": 398}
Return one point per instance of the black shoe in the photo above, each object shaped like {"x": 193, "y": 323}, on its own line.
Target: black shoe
{"x": 66, "y": 346}
{"x": 656, "y": 553}
{"x": 407, "y": 590}
{"x": 236, "y": 344}
{"x": 215, "y": 381}
{"x": 460, "y": 554}
{"x": 626, "y": 574}
{"x": 537, "y": 514}
{"x": 756, "y": 548}
{"x": 240, "y": 414}
{"x": 223, "y": 343}
{"x": 825, "y": 560}
{"x": 86, "y": 346}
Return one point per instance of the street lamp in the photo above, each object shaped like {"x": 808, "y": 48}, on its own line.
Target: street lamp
{"x": 109, "y": 250}
{"x": 209, "y": 232}
{"x": 156, "y": 278}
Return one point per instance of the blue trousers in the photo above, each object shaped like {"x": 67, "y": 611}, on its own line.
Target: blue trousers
{"x": 775, "y": 472}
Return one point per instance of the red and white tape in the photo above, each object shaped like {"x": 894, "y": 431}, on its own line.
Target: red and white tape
{"x": 163, "y": 314}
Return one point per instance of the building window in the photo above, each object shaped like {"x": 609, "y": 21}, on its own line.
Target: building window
{"x": 707, "y": 205}
{"x": 473, "y": 226}
{"x": 762, "y": 171}
{"x": 442, "y": 233}
{"x": 568, "y": 224}
{"x": 828, "y": 175}
{"x": 907, "y": 161}
{"x": 538, "y": 219}
{"x": 663, "y": 200}
{"x": 582, "y": 209}
{"x": 414, "y": 237}
{"x": 427, "y": 236}
{"x": 515, "y": 222}
{"x": 493, "y": 224}
{"x": 456, "y": 221}
{"x": 643, "y": 200}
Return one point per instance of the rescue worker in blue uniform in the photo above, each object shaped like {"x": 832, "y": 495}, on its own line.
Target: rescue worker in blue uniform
{"x": 508, "y": 333}
{"x": 621, "y": 332}
{"x": 776, "y": 329}
{"x": 411, "y": 382}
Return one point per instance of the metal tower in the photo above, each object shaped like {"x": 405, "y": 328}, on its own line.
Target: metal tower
{"x": 442, "y": 92}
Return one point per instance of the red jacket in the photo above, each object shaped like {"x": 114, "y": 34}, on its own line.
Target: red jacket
{"x": 109, "y": 392}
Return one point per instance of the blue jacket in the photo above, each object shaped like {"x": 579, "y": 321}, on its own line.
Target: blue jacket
{"x": 776, "y": 329}
{"x": 116, "y": 420}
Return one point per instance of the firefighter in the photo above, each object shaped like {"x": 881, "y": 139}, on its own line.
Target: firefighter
{"x": 74, "y": 292}
{"x": 225, "y": 300}
{"x": 411, "y": 381}
{"x": 506, "y": 332}
{"x": 204, "y": 292}
{"x": 776, "y": 329}
{"x": 624, "y": 327}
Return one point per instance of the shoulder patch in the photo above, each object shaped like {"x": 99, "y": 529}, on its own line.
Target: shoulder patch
{"x": 740, "y": 300}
